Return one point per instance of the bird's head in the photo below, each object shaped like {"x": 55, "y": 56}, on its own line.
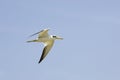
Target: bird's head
{"x": 57, "y": 37}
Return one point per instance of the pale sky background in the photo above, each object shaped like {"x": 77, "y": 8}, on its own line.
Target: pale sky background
{"x": 90, "y": 49}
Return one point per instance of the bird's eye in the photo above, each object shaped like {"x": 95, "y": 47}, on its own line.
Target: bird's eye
{"x": 54, "y": 36}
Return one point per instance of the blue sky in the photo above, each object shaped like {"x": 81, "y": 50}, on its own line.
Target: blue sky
{"x": 90, "y": 49}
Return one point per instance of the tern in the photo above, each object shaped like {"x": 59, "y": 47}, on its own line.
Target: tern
{"x": 47, "y": 40}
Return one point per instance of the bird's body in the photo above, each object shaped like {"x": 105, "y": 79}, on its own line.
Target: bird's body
{"x": 44, "y": 39}
{"x": 48, "y": 41}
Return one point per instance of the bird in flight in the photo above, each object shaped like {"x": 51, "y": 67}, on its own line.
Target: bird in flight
{"x": 47, "y": 40}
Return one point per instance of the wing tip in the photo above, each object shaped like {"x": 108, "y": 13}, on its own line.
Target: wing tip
{"x": 40, "y": 61}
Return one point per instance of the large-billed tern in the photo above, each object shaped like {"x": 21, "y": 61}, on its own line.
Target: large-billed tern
{"x": 47, "y": 40}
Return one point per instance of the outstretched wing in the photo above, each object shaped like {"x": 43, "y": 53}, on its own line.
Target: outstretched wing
{"x": 48, "y": 46}
{"x": 41, "y": 33}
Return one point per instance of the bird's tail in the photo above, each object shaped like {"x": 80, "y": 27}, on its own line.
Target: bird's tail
{"x": 32, "y": 41}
